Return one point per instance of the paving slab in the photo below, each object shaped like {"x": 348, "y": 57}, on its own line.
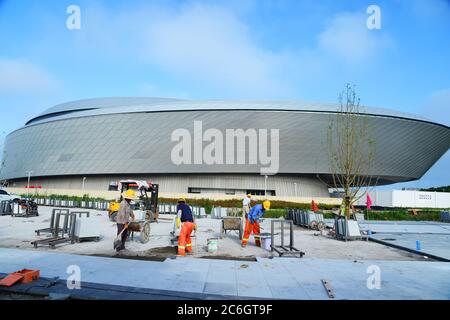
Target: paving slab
{"x": 277, "y": 278}
{"x": 420, "y": 227}
{"x": 433, "y": 236}
{"x": 430, "y": 244}
{"x": 433, "y": 227}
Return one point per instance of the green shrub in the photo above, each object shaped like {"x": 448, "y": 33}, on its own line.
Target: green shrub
{"x": 278, "y": 208}
{"x": 237, "y": 203}
{"x": 85, "y": 197}
{"x": 275, "y": 213}
{"x": 394, "y": 215}
{"x": 403, "y": 215}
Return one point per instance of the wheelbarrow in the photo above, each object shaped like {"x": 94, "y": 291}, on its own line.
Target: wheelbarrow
{"x": 231, "y": 224}
{"x": 140, "y": 225}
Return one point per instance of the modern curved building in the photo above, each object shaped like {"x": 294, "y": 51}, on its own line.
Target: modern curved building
{"x": 208, "y": 146}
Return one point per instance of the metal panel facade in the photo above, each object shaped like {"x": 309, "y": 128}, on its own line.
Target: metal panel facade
{"x": 109, "y": 142}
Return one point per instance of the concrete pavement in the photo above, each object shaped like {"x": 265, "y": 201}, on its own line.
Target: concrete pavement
{"x": 277, "y": 278}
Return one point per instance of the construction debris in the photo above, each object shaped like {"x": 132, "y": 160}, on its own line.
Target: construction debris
{"x": 328, "y": 288}
{"x": 22, "y": 276}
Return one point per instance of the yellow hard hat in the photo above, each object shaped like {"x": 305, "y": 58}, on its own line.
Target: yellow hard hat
{"x": 129, "y": 194}
{"x": 266, "y": 204}
{"x": 249, "y": 195}
{"x": 182, "y": 200}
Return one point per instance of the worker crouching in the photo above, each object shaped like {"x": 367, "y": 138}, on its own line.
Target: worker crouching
{"x": 186, "y": 219}
{"x": 252, "y": 222}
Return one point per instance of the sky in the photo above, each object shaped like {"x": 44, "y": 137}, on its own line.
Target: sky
{"x": 231, "y": 49}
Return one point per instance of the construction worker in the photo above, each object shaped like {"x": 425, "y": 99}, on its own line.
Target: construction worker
{"x": 124, "y": 215}
{"x": 246, "y": 206}
{"x": 245, "y": 210}
{"x": 184, "y": 218}
{"x": 252, "y": 222}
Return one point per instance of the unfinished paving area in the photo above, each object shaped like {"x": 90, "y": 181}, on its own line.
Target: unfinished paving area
{"x": 235, "y": 272}
{"x": 277, "y": 278}
{"x": 433, "y": 237}
{"x": 18, "y": 232}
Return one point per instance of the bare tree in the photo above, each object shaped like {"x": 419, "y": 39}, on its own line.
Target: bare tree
{"x": 351, "y": 148}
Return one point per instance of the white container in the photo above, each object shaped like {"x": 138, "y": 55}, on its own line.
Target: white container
{"x": 213, "y": 244}
{"x": 266, "y": 243}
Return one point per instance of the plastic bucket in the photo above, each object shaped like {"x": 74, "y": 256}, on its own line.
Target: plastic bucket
{"x": 267, "y": 242}
{"x": 212, "y": 245}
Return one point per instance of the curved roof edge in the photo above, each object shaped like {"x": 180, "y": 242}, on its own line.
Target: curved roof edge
{"x": 101, "y": 106}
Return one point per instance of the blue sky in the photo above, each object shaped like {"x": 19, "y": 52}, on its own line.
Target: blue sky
{"x": 242, "y": 49}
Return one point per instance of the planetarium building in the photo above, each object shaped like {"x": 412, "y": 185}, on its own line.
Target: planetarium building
{"x": 208, "y": 146}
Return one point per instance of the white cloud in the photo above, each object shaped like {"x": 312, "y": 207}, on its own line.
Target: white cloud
{"x": 203, "y": 47}
{"x": 209, "y": 44}
{"x": 21, "y": 77}
{"x": 348, "y": 37}
{"x": 206, "y": 47}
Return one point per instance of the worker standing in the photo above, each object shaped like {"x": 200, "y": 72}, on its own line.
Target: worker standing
{"x": 125, "y": 215}
{"x": 245, "y": 210}
{"x": 186, "y": 220}
{"x": 246, "y": 206}
{"x": 252, "y": 222}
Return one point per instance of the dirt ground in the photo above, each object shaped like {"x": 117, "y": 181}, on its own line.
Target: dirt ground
{"x": 16, "y": 232}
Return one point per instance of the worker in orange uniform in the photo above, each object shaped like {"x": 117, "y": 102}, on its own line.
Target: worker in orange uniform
{"x": 252, "y": 222}
{"x": 186, "y": 220}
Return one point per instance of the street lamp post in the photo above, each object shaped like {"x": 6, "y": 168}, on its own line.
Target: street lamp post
{"x": 265, "y": 186}
{"x": 82, "y": 185}
{"x": 28, "y": 183}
